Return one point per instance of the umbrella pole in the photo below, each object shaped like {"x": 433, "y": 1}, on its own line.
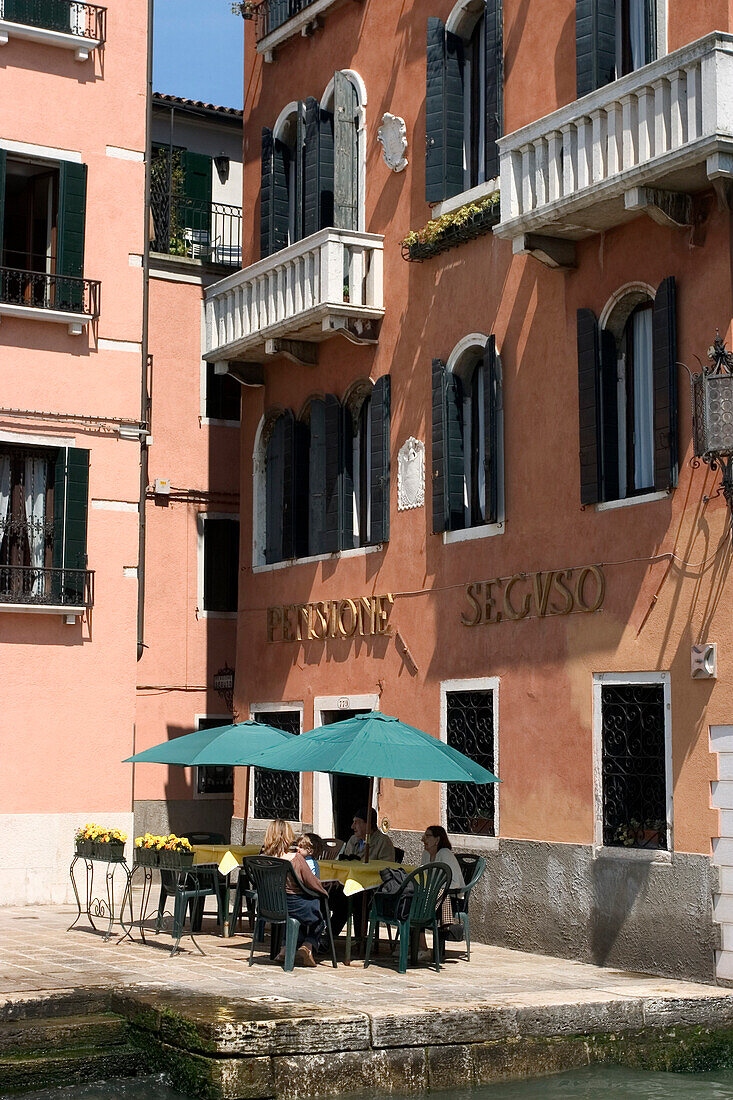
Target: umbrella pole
{"x": 366, "y": 860}
{"x": 245, "y": 815}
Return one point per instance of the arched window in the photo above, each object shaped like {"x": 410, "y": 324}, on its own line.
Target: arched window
{"x": 464, "y": 98}
{"x": 467, "y": 467}
{"x": 627, "y": 379}
{"x": 312, "y": 166}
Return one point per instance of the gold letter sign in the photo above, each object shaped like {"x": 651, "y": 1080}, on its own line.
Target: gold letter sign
{"x": 533, "y": 594}
{"x": 362, "y": 616}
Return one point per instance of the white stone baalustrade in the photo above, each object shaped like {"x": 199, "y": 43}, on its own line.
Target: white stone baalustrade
{"x": 328, "y": 283}
{"x": 592, "y": 164}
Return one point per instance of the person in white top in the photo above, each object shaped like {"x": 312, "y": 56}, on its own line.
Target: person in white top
{"x": 438, "y": 850}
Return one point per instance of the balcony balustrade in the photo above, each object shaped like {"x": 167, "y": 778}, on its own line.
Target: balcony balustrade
{"x": 207, "y": 231}
{"x": 70, "y": 24}
{"x": 34, "y": 587}
{"x": 41, "y": 296}
{"x": 328, "y": 283}
{"x": 645, "y": 142}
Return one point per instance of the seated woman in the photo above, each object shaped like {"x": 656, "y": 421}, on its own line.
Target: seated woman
{"x": 279, "y": 840}
{"x": 438, "y": 850}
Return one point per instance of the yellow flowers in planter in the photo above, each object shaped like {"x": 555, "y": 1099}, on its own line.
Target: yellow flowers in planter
{"x": 453, "y": 228}
{"x": 100, "y": 834}
{"x": 170, "y": 843}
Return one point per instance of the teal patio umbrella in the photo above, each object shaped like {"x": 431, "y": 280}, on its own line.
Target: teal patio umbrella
{"x": 377, "y": 746}
{"x": 222, "y": 746}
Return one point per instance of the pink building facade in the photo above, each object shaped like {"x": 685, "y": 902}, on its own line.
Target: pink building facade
{"x": 72, "y": 226}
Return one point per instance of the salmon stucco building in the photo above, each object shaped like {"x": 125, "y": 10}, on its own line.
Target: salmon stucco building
{"x": 475, "y": 266}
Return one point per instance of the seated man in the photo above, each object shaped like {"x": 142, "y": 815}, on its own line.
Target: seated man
{"x": 380, "y": 846}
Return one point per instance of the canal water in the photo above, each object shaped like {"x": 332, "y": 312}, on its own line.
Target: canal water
{"x": 593, "y": 1083}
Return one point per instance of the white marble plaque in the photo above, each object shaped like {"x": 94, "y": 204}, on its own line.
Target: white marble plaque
{"x": 392, "y": 135}
{"x": 411, "y": 475}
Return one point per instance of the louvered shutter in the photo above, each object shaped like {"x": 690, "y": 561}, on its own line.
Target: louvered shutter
{"x": 608, "y": 414}
{"x": 326, "y": 169}
{"x": 70, "y": 508}
{"x": 346, "y": 480}
{"x": 434, "y": 93}
{"x": 3, "y": 162}
{"x": 379, "y": 461}
{"x": 266, "y": 183}
{"x": 317, "y": 475}
{"x": 346, "y": 158}
{"x": 279, "y": 482}
{"x": 664, "y": 328}
{"x": 70, "y": 234}
{"x": 595, "y": 44}
{"x": 311, "y": 168}
{"x": 197, "y": 173}
{"x": 492, "y": 401}
{"x": 447, "y": 449}
{"x": 589, "y": 407}
{"x": 53, "y": 15}
{"x": 494, "y": 60}
{"x": 332, "y": 526}
{"x": 301, "y": 496}
{"x": 299, "y": 154}
{"x": 453, "y": 116}
{"x": 274, "y": 214}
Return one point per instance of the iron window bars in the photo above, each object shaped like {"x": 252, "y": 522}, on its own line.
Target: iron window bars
{"x": 42, "y": 290}
{"x": 57, "y": 587}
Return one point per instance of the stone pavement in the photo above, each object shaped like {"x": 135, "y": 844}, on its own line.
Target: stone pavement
{"x": 38, "y": 954}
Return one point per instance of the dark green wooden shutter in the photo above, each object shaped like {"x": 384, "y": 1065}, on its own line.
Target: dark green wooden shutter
{"x": 279, "y": 482}
{"x": 447, "y": 449}
{"x": 346, "y": 154}
{"x": 492, "y": 400}
{"x": 3, "y": 162}
{"x": 274, "y": 218}
{"x": 70, "y": 234}
{"x": 494, "y": 60}
{"x": 70, "y": 508}
{"x": 664, "y": 328}
{"x": 595, "y": 44}
{"x": 589, "y": 407}
{"x": 346, "y": 480}
{"x": 266, "y": 184}
{"x": 379, "y": 443}
{"x": 317, "y": 475}
{"x": 301, "y": 497}
{"x": 311, "y": 168}
{"x": 325, "y": 169}
{"x": 52, "y": 15}
{"x": 197, "y": 171}
{"x": 443, "y": 113}
{"x": 608, "y": 415}
{"x": 221, "y": 564}
{"x": 299, "y": 154}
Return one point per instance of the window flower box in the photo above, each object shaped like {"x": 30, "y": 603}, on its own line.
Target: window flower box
{"x": 175, "y": 860}
{"x": 112, "y": 851}
{"x": 84, "y": 848}
{"x": 452, "y": 229}
{"x": 147, "y": 857}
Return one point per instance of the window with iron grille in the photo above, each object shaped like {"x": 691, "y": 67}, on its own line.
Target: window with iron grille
{"x": 470, "y": 729}
{"x": 633, "y": 763}
{"x": 214, "y": 779}
{"x": 277, "y": 794}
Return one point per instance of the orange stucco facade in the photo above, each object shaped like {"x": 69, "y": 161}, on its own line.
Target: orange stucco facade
{"x": 665, "y": 561}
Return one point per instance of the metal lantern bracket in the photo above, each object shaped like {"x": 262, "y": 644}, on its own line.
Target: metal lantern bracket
{"x": 224, "y": 685}
{"x": 712, "y": 414}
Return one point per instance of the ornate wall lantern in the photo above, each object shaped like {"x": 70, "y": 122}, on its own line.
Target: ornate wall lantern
{"x": 712, "y": 413}
{"x": 224, "y": 686}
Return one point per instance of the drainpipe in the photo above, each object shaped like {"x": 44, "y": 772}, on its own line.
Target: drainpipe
{"x": 146, "y": 371}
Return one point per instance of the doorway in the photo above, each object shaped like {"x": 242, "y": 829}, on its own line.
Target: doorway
{"x": 349, "y": 792}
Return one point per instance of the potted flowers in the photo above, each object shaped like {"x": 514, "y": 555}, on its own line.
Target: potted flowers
{"x": 147, "y": 850}
{"x": 97, "y": 842}
{"x": 176, "y": 852}
{"x": 451, "y": 229}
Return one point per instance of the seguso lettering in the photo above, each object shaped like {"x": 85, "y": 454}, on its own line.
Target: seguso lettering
{"x": 535, "y": 595}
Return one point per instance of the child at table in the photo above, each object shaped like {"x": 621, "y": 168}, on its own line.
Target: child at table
{"x": 304, "y": 845}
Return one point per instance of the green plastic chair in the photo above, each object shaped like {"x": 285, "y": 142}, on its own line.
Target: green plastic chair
{"x": 472, "y": 869}
{"x": 269, "y": 876}
{"x": 430, "y": 884}
{"x": 192, "y": 887}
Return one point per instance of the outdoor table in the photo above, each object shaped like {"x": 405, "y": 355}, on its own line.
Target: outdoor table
{"x": 227, "y": 856}
{"x": 355, "y": 877}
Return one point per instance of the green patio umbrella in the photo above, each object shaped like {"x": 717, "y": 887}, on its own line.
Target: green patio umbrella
{"x": 221, "y": 746}
{"x": 377, "y": 746}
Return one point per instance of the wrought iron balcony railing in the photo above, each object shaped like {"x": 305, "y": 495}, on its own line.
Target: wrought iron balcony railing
{"x": 43, "y": 291}
{"x": 271, "y": 14}
{"x": 63, "y": 16}
{"x": 206, "y": 231}
{"x": 32, "y": 585}
{"x": 278, "y": 20}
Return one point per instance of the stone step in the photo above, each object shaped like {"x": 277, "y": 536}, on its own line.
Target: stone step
{"x": 62, "y": 1033}
{"x": 63, "y": 1002}
{"x": 30, "y": 1072}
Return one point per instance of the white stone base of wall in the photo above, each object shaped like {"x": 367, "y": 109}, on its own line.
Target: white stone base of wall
{"x": 36, "y": 851}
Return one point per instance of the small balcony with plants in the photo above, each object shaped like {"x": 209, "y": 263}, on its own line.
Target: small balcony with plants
{"x": 68, "y": 24}
{"x": 278, "y": 20}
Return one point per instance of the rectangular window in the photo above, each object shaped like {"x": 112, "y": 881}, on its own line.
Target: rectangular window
{"x": 470, "y": 728}
{"x": 223, "y": 396}
{"x": 635, "y": 764}
{"x": 214, "y": 780}
{"x": 220, "y": 563}
{"x": 277, "y": 794}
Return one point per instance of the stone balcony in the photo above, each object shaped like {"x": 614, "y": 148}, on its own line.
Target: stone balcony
{"x": 648, "y": 141}
{"x": 327, "y": 284}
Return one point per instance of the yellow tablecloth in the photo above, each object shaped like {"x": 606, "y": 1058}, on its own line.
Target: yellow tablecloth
{"x": 355, "y": 876}
{"x": 228, "y": 856}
